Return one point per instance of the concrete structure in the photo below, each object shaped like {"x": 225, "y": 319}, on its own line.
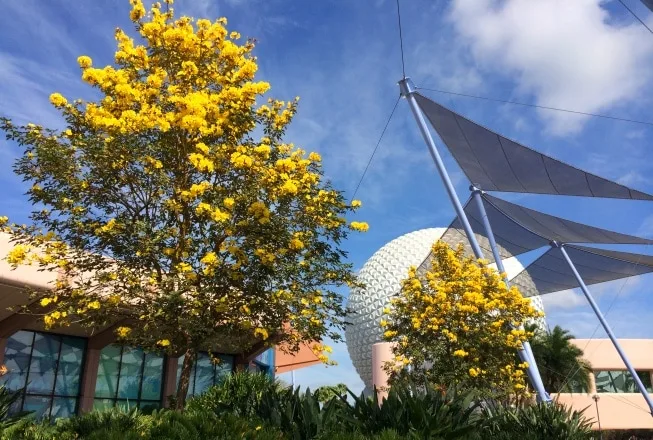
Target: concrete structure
{"x": 382, "y": 275}
{"x": 74, "y": 370}
{"x": 619, "y": 405}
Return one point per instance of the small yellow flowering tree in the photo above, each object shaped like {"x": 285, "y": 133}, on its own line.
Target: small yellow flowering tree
{"x": 173, "y": 209}
{"x": 454, "y": 325}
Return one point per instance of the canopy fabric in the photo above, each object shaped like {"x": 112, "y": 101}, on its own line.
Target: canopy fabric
{"x": 518, "y": 229}
{"x": 649, "y": 4}
{"x": 548, "y": 227}
{"x": 495, "y": 163}
{"x": 551, "y": 273}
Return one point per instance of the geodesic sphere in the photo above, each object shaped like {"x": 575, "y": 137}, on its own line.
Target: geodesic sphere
{"x": 382, "y": 275}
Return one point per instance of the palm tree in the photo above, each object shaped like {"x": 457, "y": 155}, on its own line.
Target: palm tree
{"x": 328, "y": 392}
{"x": 560, "y": 362}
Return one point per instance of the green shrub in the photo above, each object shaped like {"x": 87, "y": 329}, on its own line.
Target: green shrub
{"x": 239, "y": 394}
{"x": 536, "y": 422}
{"x": 173, "y": 425}
{"x": 117, "y": 424}
{"x": 7, "y": 400}
{"x": 427, "y": 413}
{"x": 108, "y": 421}
{"x": 383, "y": 435}
{"x": 28, "y": 429}
{"x": 302, "y": 416}
{"x": 255, "y": 407}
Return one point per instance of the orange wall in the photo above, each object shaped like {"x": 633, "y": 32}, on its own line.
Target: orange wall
{"x": 285, "y": 362}
{"x": 616, "y": 410}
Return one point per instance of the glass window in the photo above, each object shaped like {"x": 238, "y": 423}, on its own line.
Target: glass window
{"x": 206, "y": 372}
{"x": 256, "y": 367}
{"x": 63, "y": 407}
{"x": 152, "y": 377}
{"x": 70, "y": 368}
{"x": 47, "y": 367}
{"x": 265, "y": 358}
{"x": 131, "y": 373}
{"x": 264, "y": 362}
{"x": 620, "y": 381}
{"x": 106, "y": 384}
{"x": 128, "y": 377}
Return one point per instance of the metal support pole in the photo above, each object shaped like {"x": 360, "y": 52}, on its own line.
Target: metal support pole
{"x": 408, "y": 90}
{"x": 606, "y": 327}
{"x": 525, "y": 354}
{"x": 598, "y": 416}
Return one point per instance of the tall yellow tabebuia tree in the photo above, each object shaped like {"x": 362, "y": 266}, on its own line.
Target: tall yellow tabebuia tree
{"x": 172, "y": 205}
{"x": 457, "y": 324}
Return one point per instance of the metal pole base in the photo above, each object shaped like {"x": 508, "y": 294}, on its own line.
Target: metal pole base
{"x": 606, "y": 327}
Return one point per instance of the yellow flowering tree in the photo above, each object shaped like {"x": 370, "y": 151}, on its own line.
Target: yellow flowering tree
{"x": 455, "y": 324}
{"x": 171, "y": 207}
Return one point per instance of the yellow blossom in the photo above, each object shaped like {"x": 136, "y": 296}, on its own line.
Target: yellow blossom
{"x": 210, "y": 258}
{"x": 389, "y": 334}
{"x": 163, "y": 342}
{"x": 18, "y": 254}
{"x": 229, "y": 203}
{"x": 296, "y": 244}
{"x": 138, "y": 10}
{"x": 84, "y": 62}
{"x": 94, "y": 305}
{"x": 123, "y": 332}
{"x": 263, "y": 333}
{"x": 58, "y": 100}
{"x": 359, "y": 226}
{"x": 220, "y": 216}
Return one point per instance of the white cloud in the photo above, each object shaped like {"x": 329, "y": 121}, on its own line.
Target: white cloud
{"x": 25, "y": 86}
{"x": 568, "y": 54}
{"x": 634, "y": 179}
{"x": 565, "y": 299}
{"x": 612, "y": 290}
{"x": 646, "y": 228}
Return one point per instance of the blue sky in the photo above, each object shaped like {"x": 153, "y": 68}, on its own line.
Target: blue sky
{"x": 342, "y": 58}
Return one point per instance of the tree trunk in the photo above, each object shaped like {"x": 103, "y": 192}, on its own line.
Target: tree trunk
{"x": 184, "y": 379}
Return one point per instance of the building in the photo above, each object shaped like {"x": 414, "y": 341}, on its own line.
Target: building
{"x": 618, "y": 404}
{"x": 71, "y": 371}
